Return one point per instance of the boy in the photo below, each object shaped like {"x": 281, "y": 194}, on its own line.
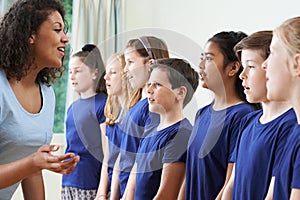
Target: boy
{"x": 161, "y": 154}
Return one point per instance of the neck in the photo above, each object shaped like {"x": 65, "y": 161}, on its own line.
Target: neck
{"x": 87, "y": 94}
{"x": 225, "y": 99}
{"x": 170, "y": 117}
{"x": 273, "y": 109}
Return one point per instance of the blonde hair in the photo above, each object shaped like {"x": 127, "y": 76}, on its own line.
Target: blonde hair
{"x": 288, "y": 33}
{"x": 114, "y": 109}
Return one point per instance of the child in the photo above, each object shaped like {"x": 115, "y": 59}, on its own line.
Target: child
{"x": 83, "y": 121}
{"x": 161, "y": 154}
{"x": 263, "y": 132}
{"x": 139, "y": 54}
{"x": 215, "y": 130}
{"x": 283, "y": 84}
{"x": 117, "y": 90}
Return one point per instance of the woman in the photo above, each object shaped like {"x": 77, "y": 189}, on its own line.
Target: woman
{"x": 32, "y": 44}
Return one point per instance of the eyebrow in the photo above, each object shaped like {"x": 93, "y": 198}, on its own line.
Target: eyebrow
{"x": 60, "y": 24}
{"x": 209, "y": 53}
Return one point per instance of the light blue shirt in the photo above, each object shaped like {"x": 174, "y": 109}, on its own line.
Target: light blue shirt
{"x": 22, "y": 133}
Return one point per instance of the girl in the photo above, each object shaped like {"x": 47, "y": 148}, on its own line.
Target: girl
{"x": 117, "y": 90}
{"x": 283, "y": 84}
{"x": 216, "y": 125}
{"x": 263, "y": 132}
{"x": 32, "y": 43}
{"x": 139, "y": 53}
{"x": 162, "y": 152}
{"x": 83, "y": 134}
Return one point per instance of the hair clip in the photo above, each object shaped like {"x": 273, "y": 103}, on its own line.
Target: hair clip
{"x": 88, "y": 47}
{"x": 147, "y": 46}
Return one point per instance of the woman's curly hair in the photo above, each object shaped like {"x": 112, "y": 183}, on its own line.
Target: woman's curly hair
{"x": 23, "y": 19}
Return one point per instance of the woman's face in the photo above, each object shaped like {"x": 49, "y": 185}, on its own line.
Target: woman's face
{"x": 211, "y": 67}
{"x": 277, "y": 72}
{"x": 82, "y": 78}
{"x": 136, "y": 68}
{"x": 49, "y": 42}
{"x": 113, "y": 77}
{"x": 253, "y": 76}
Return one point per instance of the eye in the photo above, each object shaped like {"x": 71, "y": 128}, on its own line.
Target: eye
{"x": 58, "y": 30}
{"x": 207, "y": 58}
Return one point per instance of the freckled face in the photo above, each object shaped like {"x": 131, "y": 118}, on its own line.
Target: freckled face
{"x": 49, "y": 42}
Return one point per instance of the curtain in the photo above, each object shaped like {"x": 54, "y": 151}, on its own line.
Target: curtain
{"x": 97, "y": 22}
{"x": 3, "y": 6}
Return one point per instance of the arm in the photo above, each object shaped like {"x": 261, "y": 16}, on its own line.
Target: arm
{"x": 130, "y": 188}
{"x": 295, "y": 194}
{"x": 227, "y": 188}
{"x": 171, "y": 181}
{"x": 181, "y": 195}
{"x": 33, "y": 187}
{"x": 104, "y": 182}
{"x": 115, "y": 184}
{"x": 228, "y": 174}
{"x": 271, "y": 189}
{"x": 16, "y": 171}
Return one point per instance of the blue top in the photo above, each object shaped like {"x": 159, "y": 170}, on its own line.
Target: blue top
{"x": 114, "y": 142}
{"x": 83, "y": 137}
{"x": 158, "y": 147}
{"x": 287, "y": 170}
{"x": 133, "y": 125}
{"x": 21, "y": 132}
{"x": 210, "y": 146}
{"x": 256, "y": 150}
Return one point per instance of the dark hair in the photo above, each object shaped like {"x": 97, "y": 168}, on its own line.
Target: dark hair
{"x": 91, "y": 56}
{"x": 180, "y": 73}
{"x": 17, "y": 25}
{"x": 260, "y": 40}
{"x": 226, "y": 42}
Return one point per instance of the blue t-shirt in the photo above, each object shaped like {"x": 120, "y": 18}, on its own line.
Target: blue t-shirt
{"x": 287, "y": 170}
{"x": 21, "y": 132}
{"x": 133, "y": 125}
{"x": 256, "y": 151}
{"x": 83, "y": 136}
{"x": 210, "y": 146}
{"x": 114, "y": 137}
{"x": 158, "y": 147}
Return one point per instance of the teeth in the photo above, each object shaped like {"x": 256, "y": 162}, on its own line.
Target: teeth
{"x": 61, "y": 49}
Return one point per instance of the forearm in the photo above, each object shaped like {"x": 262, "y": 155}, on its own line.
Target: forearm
{"x": 33, "y": 187}
{"x": 16, "y": 171}
{"x": 103, "y": 185}
{"x": 115, "y": 186}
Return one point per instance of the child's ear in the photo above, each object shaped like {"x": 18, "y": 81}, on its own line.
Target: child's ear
{"x": 151, "y": 61}
{"x": 95, "y": 73}
{"x": 181, "y": 93}
{"x": 234, "y": 68}
{"x": 297, "y": 64}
